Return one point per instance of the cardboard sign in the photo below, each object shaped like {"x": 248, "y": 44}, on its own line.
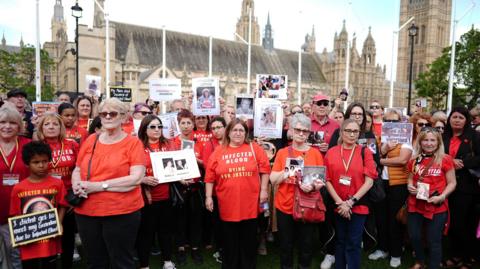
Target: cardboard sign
{"x": 400, "y": 132}
{"x": 39, "y": 108}
{"x": 123, "y": 94}
{"x": 33, "y": 227}
{"x": 165, "y": 89}
{"x": 169, "y": 166}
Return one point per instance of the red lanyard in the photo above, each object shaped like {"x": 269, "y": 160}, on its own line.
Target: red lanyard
{"x": 5, "y": 156}
{"x": 347, "y": 165}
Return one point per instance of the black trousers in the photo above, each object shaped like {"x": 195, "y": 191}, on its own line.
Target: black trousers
{"x": 189, "y": 220}
{"x": 326, "y": 229}
{"x": 379, "y": 213}
{"x": 290, "y": 231}
{"x": 68, "y": 239}
{"x": 41, "y": 263}
{"x": 396, "y": 197}
{"x": 109, "y": 242}
{"x": 156, "y": 219}
{"x": 239, "y": 244}
{"x": 463, "y": 225}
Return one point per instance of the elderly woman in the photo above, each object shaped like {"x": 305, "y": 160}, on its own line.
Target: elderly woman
{"x": 84, "y": 106}
{"x": 288, "y": 228}
{"x": 348, "y": 181}
{"x": 431, "y": 180}
{"x": 69, "y": 115}
{"x": 12, "y": 169}
{"x": 51, "y": 130}
{"x": 157, "y": 213}
{"x": 462, "y": 143}
{"x": 235, "y": 169}
{"x": 108, "y": 173}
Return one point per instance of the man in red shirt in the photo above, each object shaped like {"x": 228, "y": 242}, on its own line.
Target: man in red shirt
{"x": 320, "y": 122}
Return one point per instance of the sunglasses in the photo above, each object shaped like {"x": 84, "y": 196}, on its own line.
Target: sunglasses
{"x": 440, "y": 128}
{"x": 153, "y": 127}
{"x": 421, "y": 124}
{"x": 112, "y": 114}
{"x": 375, "y": 107}
{"x": 297, "y": 112}
{"x": 391, "y": 121}
{"x": 322, "y": 103}
{"x": 144, "y": 113}
{"x": 301, "y": 131}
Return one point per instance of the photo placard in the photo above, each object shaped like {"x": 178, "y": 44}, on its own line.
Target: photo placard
{"x": 244, "y": 106}
{"x": 170, "y": 166}
{"x": 205, "y": 96}
{"x": 40, "y": 108}
{"x": 33, "y": 227}
{"x": 93, "y": 85}
{"x": 397, "y": 131}
{"x": 165, "y": 89}
{"x": 272, "y": 86}
{"x": 268, "y": 118}
{"x": 313, "y": 174}
{"x": 170, "y": 125}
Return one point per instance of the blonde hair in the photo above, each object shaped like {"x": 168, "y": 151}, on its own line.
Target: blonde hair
{"x": 114, "y": 103}
{"x": 9, "y": 113}
{"x": 439, "y": 152}
{"x": 49, "y": 116}
{"x": 342, "y": 128}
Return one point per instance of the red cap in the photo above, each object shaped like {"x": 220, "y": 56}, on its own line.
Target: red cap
{"x": 320, "y": 97}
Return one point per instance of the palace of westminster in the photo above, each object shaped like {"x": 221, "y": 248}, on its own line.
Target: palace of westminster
{"x": 136, "y": 56}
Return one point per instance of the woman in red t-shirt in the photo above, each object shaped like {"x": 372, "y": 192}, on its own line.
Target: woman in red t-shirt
{"x": 431, "y": 180}
{"x": 84, "y": 106}
{"x": 69, "y": 115}
{"x": 51, "y": 130}
{"x": 239, "y": 170}
{"x": 349, "y": 177}
{"x": 157, "y": 213}
{"x": 288, "y": 228}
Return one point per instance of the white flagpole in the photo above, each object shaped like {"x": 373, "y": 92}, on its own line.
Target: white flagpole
{"x": 38, "y": 85}
{"x": 299, "y": 80}
{"x": 164, "y": 53}
{"x": 107, "y": 53}
{"x": 249, "y": 48}
{"x": 210, "y": 56}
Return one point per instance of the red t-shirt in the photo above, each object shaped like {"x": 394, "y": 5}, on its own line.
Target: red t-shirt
{"x": 82, "y": 123}
{"x": 77, "y": 134}
{"x": 286, "y": 191}
{"x": 357, "y": 171}
{"x": 236, "y": 177}
{"x": 110, "y": 161}
{"x": 128, "y": 126}
{"x": 11, "y": 177}
{"x": 161, "y": 191}
{"x": 64, "y": 157}
{"x": 208, "y": 149}
{"x": 28, "y": 197}
{"x": 435, "y": 177}
{"x": 377, "y": 129}
{"x": 454, "y": 146}
{"x": 202, "y": 137}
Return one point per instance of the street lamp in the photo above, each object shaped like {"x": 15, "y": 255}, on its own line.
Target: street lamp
{"x": 412, "y": 32}
{"x": 77, "y": 13}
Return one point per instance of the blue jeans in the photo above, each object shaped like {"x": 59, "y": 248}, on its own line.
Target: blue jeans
{"x": 349, "y": 239}
{"x": 14, "y": 258}
{"x": 434, "y": 231}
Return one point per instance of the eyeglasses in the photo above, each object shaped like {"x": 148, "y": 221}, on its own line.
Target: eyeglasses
{"x": 423, "y": 124}
{"x": 297, "y": 112}
{"x": 375, "y": 107}
{"x": 112, "y": 114}
{"x": 301, "y": 131}
{"x": 440, "y": 128}
{"x": 217, "y": 128}
{"x": 391, "y": 121}
{"x": 144, "y": 113}
{"x": 201, "y": 118}
{"x": 153, "y": 127}
{"x": 350, "y": 132}
{"x": 356, "y": 114}
{"x": 429, "y": 129}
{"x": 322, "y": 103}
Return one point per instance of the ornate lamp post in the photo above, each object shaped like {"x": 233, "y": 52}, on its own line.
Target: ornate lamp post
{"x": 77, "y": 13}
{"x": 412, "y": 32}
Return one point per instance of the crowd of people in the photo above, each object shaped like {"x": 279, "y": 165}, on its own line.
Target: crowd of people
{"x": 93, "y": 165}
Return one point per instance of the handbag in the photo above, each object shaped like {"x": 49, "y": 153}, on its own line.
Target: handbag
{"x": 376, "y": 192}
{"x": 176, "y": 194}
{"x": 72, "y": 198}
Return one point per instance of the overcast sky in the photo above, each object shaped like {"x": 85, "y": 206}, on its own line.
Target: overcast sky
{"x": 290, "y": 19}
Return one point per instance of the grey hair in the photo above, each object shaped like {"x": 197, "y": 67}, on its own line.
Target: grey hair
{"x": 300, "y": 119}
{"x": 114, "y": 103}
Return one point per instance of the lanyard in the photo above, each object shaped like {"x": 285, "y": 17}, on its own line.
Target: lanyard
{"x": 347, "y": 165}
{"x": 55, "y": 163}
{"x": 5, "y": 156}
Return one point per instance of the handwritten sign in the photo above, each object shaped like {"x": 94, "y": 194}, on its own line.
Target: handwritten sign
{"x": 29, "y": 228}
{"x": 123, "y": 94}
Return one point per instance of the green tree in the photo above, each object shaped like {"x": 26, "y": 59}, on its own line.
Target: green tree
{"x": 17, "y": 70}
{"x": 433, "y": 84}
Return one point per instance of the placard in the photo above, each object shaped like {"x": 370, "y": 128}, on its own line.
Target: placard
{"x": 169, "y": 166}
{"x": 136, "y": 125}
{"x": 40, "y": 108}
{"x": 272, "y": 86}
{"x": 293, "y": 170}
{"x": 244, "y": 106}
{"x": 400, "y": 132}
{"x": 165, "y": 89}
{"x": 33, "y": 227}
{"x": 313, "y": 174}
{"x": 170, "y": 125}
{"x": 123, "y": 94}
{"x": 205, "y": 96}
{"x": 93, "y": 85}
{"x": 268, "y": 118}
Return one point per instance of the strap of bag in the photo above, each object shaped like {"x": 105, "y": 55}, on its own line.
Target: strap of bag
{"x": 91, "y": 157}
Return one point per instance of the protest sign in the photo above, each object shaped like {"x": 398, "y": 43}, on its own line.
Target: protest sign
{"x": 170, "y": 125}
{"x": 121, "y": 93}
{"x": 397, "y": 131}
{"x": 165, "y": 89}
{"x": 93, "y": 85}
{"x": 268, "y": 120}
{"x": 244, "y": 106}
{"x": 272, "y": 86}
{"x": 33, "y": 227}
{"x": 205, "y": 96}
{"x": 169, "y": 166}
{"x": 40, "y": 108}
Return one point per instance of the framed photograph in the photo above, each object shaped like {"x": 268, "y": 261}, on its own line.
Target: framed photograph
{"x": 370, "y": 143}
{"x": 165, "y": 89}
{"x": 205, "y": 96}
{"x": 170, "y": 166}
{"x": 313, "y": 174}
{"x": 244, "y": 106}
{"x": 272, "y": 86}
{"x": 293, "y": 170}
{"x": 268, "y": 118}
{"x": 188, "y": 144}
{"x": 170, "y": 125}
{"x": 397, "y": 131}
{"x": 93, "y": 85}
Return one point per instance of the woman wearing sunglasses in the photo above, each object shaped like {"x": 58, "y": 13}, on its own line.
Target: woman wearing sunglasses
{"x": 462, "y": 143}
{"x": 157, "y": 213}
{"x": 419, "y": 121}
{"x": 108, "y": 173}
{"x": 431, "y": 180}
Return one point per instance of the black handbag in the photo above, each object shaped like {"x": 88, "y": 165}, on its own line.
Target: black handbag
{"x": 376, "y": 192}
{"x": 176, "y": 194}
{"x": 72, "y": 198}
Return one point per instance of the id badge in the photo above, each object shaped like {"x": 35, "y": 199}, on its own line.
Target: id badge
{"x": 423, "y": 191}
{"x": 10, "y": 179}
{"x": 345, "y": 180}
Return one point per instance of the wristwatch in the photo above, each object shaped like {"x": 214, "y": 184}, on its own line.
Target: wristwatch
{"x": 104, "y": 186}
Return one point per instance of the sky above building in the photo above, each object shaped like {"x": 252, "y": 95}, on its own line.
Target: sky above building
{"x": 291, "y": 20}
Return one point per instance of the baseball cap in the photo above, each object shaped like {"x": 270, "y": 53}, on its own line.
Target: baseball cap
{"x": 320, "y": 97}
{"x": 16, "y": 92}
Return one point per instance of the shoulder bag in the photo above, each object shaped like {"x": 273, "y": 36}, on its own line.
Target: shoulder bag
{"x": 376, "y": 192}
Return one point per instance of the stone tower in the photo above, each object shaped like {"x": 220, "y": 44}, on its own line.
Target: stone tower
{"x": 433, "y": 19}
{"x": 369, "y": 52}
{"x": 310, "y": 42}
{"x": 267, "y": 41}
{"x": 59, "y": 25}
{"x": 98, "y": 17}
{"x": 242, "y": 24}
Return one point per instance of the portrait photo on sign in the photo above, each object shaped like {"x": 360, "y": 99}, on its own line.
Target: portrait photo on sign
{"x": 244, "y": 107}
{"x": 268, "y": 118}
{"x": 168, "y": 166}
{"x": 93, "y": 85}
{"x": 313, "y": 174}
{"x": 187, "y": 144}
{"x": 316, "y": 138}
{"x": 206, "y": 97}
{"x": 181, "y": 164}
{"x": 272, "y": 86}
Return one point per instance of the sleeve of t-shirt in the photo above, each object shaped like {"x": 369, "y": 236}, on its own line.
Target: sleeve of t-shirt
{"x": 14, "y": 203}
{"x": 210, "y": 175}
{"x": 280, "y": 159}
{"x": 410, "y": 165}
{"x": 369, "y": 168}
{"x": 262, "y": 159}
{"x": 137, "y": 155}
{"x": 328, "y": 172}
{"x": 447, "y": 163}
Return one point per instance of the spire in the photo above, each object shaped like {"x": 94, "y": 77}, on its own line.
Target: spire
{"x": 267, "y": 41}
{"x": 243, "y": 21}
{"x": 58, "y": 11}
{"x": 131, "y": 56}
{"x": 21, "y": 41}
{"x": 268, "y": 19}
{"x": 4, "y": 41}
{"x": 343, "y": 34}
{"x": 98, "y": 16}
{"x": 313, "y": 31}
